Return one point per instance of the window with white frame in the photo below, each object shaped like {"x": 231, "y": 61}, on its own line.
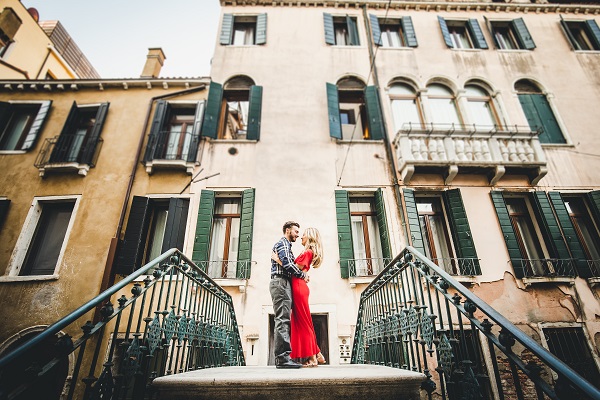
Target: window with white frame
{"x": 406, "y": 108}
{"x": 481, "y": 109}
{"x": 442, "y": 106}
{"x": 583, "y": 35}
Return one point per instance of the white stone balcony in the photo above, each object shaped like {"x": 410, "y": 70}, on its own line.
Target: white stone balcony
{"x": 447, "y": 149}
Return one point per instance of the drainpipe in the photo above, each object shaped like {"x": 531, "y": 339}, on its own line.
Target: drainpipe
{"x": 389, "y": 151}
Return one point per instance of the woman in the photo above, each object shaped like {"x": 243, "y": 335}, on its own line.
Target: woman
{"x": 303, "y": 337}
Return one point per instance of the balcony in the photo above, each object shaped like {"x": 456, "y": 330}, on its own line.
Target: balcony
{"x": 447, "y": 149}
{"x": 171, "y": 150}
{"x": 545, "y": 270}
{"x": 595, "y": 268}
{"x": 228, "y": 273}
{"x": 66, "y": 153}
{"x": 362, "y": 270}
{"x": 459, "y": 267}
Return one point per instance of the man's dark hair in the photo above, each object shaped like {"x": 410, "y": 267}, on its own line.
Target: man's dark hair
{"x": 289, "y": 224}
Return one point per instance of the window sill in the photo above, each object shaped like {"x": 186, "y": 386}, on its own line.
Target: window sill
{"x": 153, "y": 165}
{"x": 357, "y": 141}
{"x": 586, "y": 51}
{"x": 356, "y": 280}
{"x": 571, "y": 145}
{"x": 335, "y": 46}
{"x": 9, "y": 152}
{"x": 19, "y": 278}
{"x": 514, "y": 51}
{"x": 82, "y": 169}
{"x": 466, "y": 279}
{"x": 396, "y": 48}
{"x": 595, "y": 281}
{"x": 468, "y": 50}
{"x": 546, "y": 279}
{"x": 231, "y": 141}
{"x": 241, "y": 45}
{"x": 232, "y": 282}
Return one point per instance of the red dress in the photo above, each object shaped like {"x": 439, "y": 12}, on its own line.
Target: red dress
{"x": 303, "y": 339}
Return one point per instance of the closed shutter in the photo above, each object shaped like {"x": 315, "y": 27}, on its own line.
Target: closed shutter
{"x": 594, "y": 32}
{"x": 131, "y": 252}
{"x": 261, "y": 28}
{"x": 414, "y": 227}
{"x": 552, "y": 132}
{"x": 176, "y": 224}
{"x": 94, "y": 136}
{"x": 226, "y": 29}
{"x": 523, "y": 35}
{"x": 375, "y": 29}
{"x": 477, "y": 34}
{"x": 573, "y": 243}
{"x": 512, "y": 245}
{"x": 329, "y": 31}
{"x": 254, "y": 113}
{"x": 36, "y": 127}
{"x": 66, "y": 137}
{"x": 203, "y": 228}
{"x": 384, "y": 232}
{"x": 594, "y": 200}
{"x": 333, "y": 108}
{"x": 246, "y": 229}
{"x": 210, "y": 126}
{"x": 555, "y": 241}
{"x": 373, "y": 113}
{"x": 533, "y": 119}
{"x": 409, "y": 32}
{"x": 344, "y": 228}
{"x": 195, "y": 141}
{"x": 158, "y": 120}
{"x": 4, "y": 204}
{"x": 352, "y": 31}
{"x": 445, "y": 32}
{"x": 461, "y": 232}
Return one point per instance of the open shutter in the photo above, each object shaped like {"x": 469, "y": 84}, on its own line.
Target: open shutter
{"x": 552, "y": 132}
{"x": 246, "y": 230}
{"x": 4, "y": 114}
{"x": 409, "y": 31}
{"x": 573, "y": 243}
{"x": 226, "y": 29}
{"x": 593, "y": 32}
{"x": 375, "y": 29}
{"x": 477, "y": 34}
{"x": 210, "y": 127}
{"x": 333, "y": 108}
{"x": 254, "y": 112}
{"x": 445, "y": 32}
{"x": 414, "y": 227}
{"x": 261, "y": 28}
{"x": 352, "y": 31}
{"x": 132, "y": 249}
{"x": 594, "y": 200}
{"x": 461, "y": 232}
{"x": 569, "y": 35}
{"x": 4, "y": 204}
{"x": 555, "y": 240}
{"x": 176, "y": 224}
{"x": 373, "y": 113}
{"x": 384, "y": 232}
{"x": 523, "y": 34}
{"x": 344, "y": 228}
{"x": 160, "y": 113}
{"x": 92, "y": 140}
{"x": 37, "y": 125}
{"x": 195, "y": 141}
{"x": 203, "y": 229}
{"x": 65, "y": 139}
{"x": 512, "y": 245}
{"x": 329, "y": 31}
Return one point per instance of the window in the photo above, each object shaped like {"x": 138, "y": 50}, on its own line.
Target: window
{"x": 439, "y": 229}
{"x": 538, "y": 112}
{"x": 390, "y": 32}
{"x": 511, "y": 35}
{"x": 223, "y": 242}
{"x": 243, "y": 30}
{"x": 482, "y": 113}
{"x": 340, "y": 31}
{"x": 462, "y": 34}
{"x": 406, "y": 107}
{"x": 585, "y": 227}
{"x": 363, "y": 233}
{"x": 9, "y": 25}
{"x": 442, "y": 105}
{"x": 583, "y": 35}
{"x": 21, "y": 123}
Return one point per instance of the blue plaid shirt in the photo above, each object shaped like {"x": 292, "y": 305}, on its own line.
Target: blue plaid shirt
{"x": 283, "y": 248}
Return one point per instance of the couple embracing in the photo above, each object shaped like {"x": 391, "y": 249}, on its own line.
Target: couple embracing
{"x": 294, "y": 333}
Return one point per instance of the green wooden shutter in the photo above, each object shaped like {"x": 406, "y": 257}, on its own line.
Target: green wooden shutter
{"x": 195, "y": 141}
{"x": 333, "y": 108}
{"x": 329, "y": 31}
{"x": 254, "y": 113}
{"x": 94, "y": 136}
{"x": 593, "y": 32}
{"x": 210, "y": 126}
{"x": 344, "y": 227}
{"x": 132, "y": 248}
{"x": 555, "y": 241}
{"x": 530, "y": 111}
{"x": 160, "y": 115}
{"x": 523, "y": 35}
{"x": 409, "y": 31}
{"x": 461, "y": 231}
{"x": 375, "y": 29}
{"x": 594, "y": 200}
{"x": 203, "y": 228}
{"x": 4, "y": 204}
{"x": 352, "y": 31}
{"x": 176, "y": 224}
{"x": 226, "y": 29}
{"x": 37, "y": 125}
{"x": 246, "y": 229}
{"x": 5, "y": 114}
{"x": 567, "y": 31}
{"x": 573, "y": 243}
{"x": 477, "y": 34}
{"x": 374, "y": 113}
{"x": 512, "y": 245}
{"x": 384, "y": 232}
{"x": 445, "y": 32}
{"x": 261, "y": 28}
{"x": 65, "y": 139}
{"x": 552, "y": 132}
{"x": 414, "y": 227}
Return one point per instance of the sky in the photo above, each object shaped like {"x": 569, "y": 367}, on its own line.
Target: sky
{"x": 115, "y": 34}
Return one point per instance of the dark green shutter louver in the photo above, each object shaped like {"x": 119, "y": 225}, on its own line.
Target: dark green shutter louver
{"x": 523, "y": 35}
{"x": 352, "y": 31}
{"x": 414, "y": 227}
{"x": 477, "y": 34}
{"x": 210, "y": 126}
{"x": 154, "y": 138}
{"x": 333, "y": 109}
{"x": 176, "y": 224}
{"x": 329, "y": 30}
{"x": 37, "y": 125}
{"x": 254, "y": 113}
{"x": 375, "y": 29}
{"x": 409, "y": 32}
{"x": 226, "y": 29}
{"x": 94, "y": 136}
{"x": 374, "y": 113}
{"x": 195, "y": 141}
{"x": 131, "y": 252}
{"x": 555, "y": 242}
{"x": 66, "y": 137}
{"x": 594, "y": 32}
{"x": 573, "y": 243}
{"x": 4, "y": 204}
{"x": 512, "y": 245}
{"x": 567, "y": 31}
{"x": 246, "y": 230}
{"x": 594, "y": 200}
{"x": 461, "y": 233}
{"x": 5, "y": 114}
{"x": 344, "y": 227}
{"x": 540, "y": 115}
{"x": 445, "y": 32}
{"x": 261, "y": 28}
{"x": 384, "y": 232}
{"x": 200, "y": 253}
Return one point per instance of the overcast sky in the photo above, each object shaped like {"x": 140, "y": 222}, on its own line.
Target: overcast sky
{"x": 115, "y": 34}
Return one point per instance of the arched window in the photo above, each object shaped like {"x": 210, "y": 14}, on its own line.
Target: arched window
{"x": 481, "y": 109}
{"x": 406, "y": 109}
{"x": 442, "y": 105}
{"x": 538, "y": 112}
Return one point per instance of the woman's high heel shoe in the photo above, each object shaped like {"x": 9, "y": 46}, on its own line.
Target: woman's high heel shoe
{"x": 320, "y": 358}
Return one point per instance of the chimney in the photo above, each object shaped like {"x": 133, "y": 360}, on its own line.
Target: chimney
{"x": 154, "y": 62}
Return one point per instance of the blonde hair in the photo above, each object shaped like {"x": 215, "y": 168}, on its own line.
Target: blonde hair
{"x": 313, "y": 242}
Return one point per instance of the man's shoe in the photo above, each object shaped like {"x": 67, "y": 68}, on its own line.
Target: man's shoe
{"x": 289, "y": 364}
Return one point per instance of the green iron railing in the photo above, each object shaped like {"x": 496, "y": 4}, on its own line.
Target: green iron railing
{"x": 175, "y": 320}
{"x": 416, "y": 316}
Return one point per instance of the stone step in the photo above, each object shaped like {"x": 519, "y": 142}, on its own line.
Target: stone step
{"x": 325, "y": 382}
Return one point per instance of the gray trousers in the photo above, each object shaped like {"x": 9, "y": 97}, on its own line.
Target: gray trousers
{"x": 281, "y": 294}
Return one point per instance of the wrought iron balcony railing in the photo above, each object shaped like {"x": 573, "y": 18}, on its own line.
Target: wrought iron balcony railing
{"x": 69, "y": 152}
{"x": 416, "y": 316}
{"x": 594, "y": 267}
{"x": 171, "y": 149}
{"x": 459, "y": 266}
{"x": 547, "y": 267}
{"x": 176, "y": 320}
{"x": 367, "y": 266}
{"x": 227, "y": 269}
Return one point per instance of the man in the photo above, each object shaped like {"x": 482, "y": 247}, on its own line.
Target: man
{"x": 281, "y": 293}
